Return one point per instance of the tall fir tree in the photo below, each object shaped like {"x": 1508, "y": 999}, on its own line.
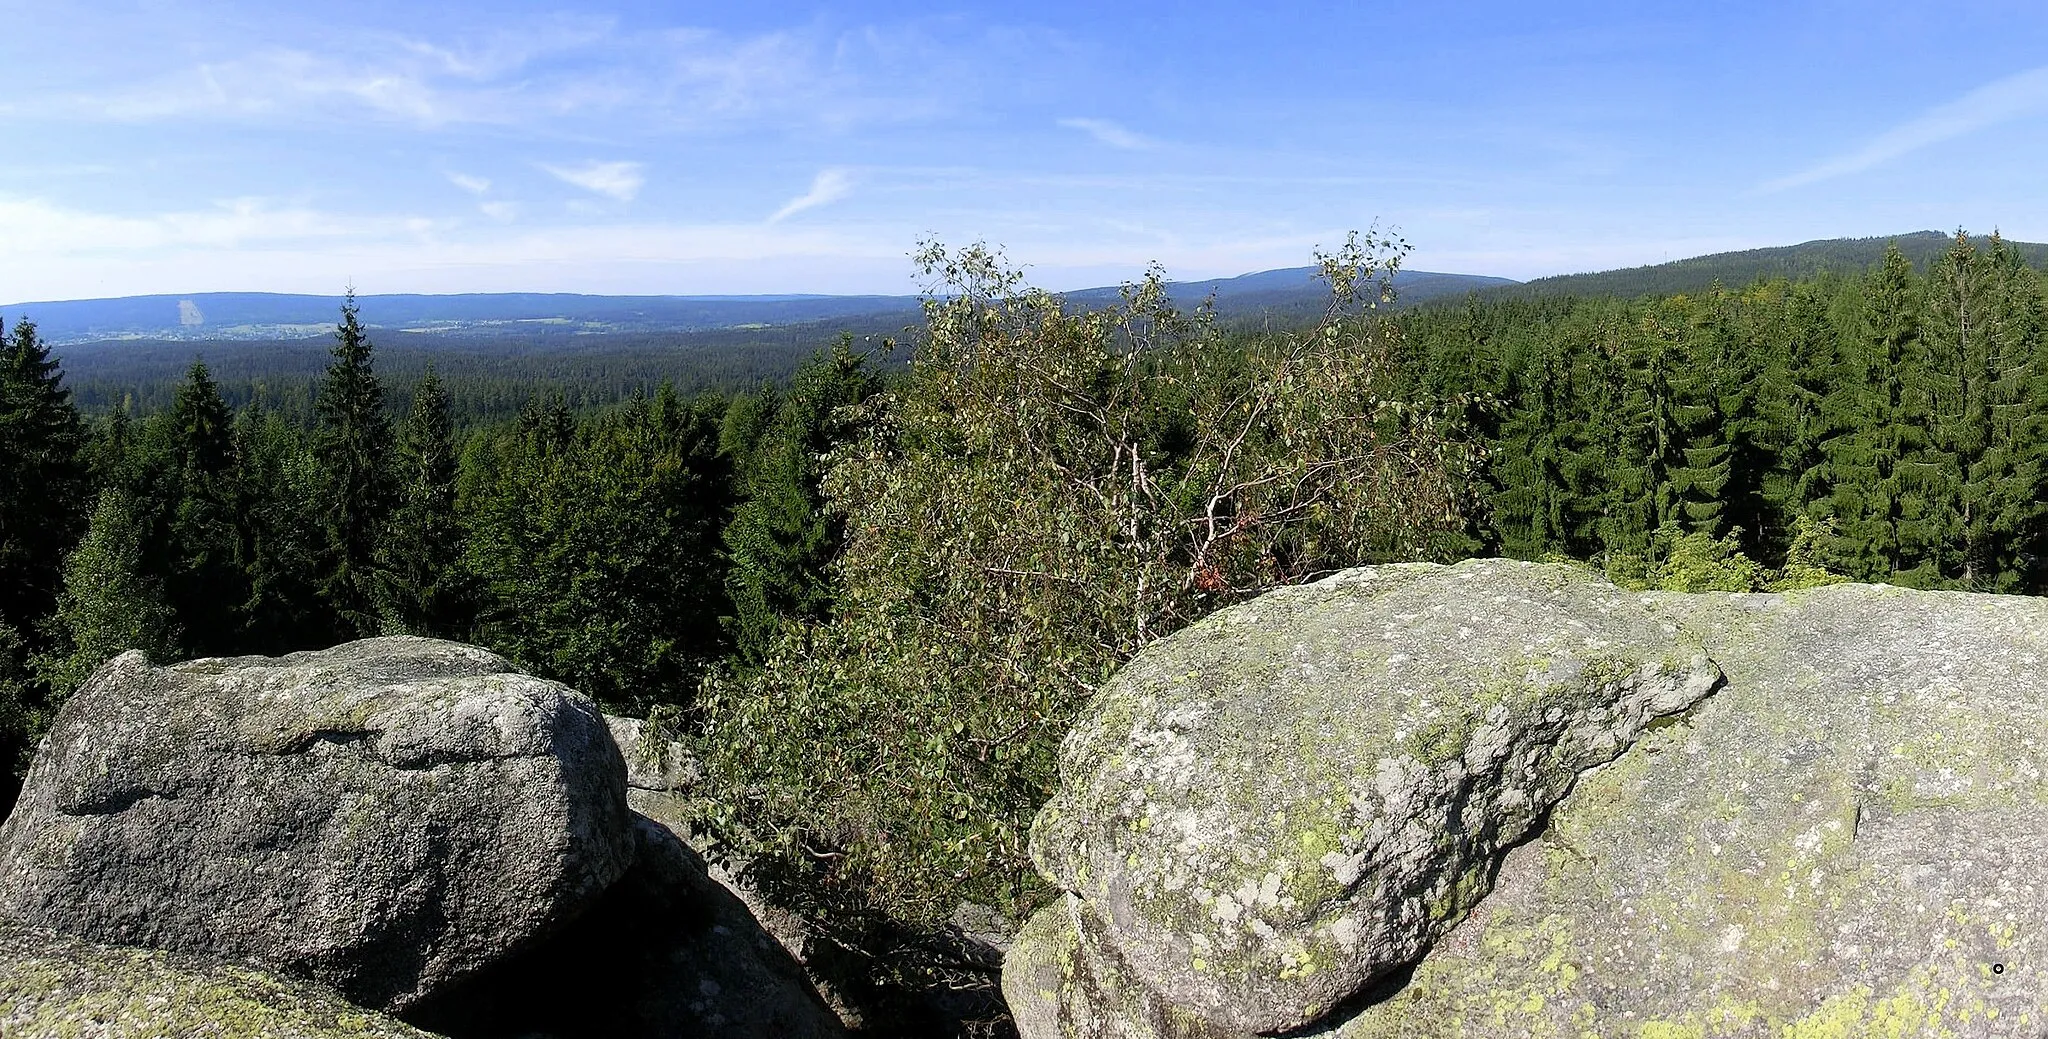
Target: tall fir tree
{"x": 1870, "y": 427}
{"x": 1796, "y": 377}
{"x": 279, "y": 494}
{"x": 782, "y": 539}
{"x": 43, "y": 477}
{"x": 596, "y": 547}
{"x": 108, "y": 604}
{"x": 421, "y": 584}
{"x": 1642, "y": 439}
{"x": 2006, "y": 496}
{"x": 206, "y": 586}
{"x": 352, "y": 444}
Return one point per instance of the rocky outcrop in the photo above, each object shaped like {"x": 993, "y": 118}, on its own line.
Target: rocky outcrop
{"x": 54, "y": 985}
{"x": 665, "y": 952}
{"x": 1850, "y": 839}
{"x": 1846, "y": 837}
{"x": 1298, "y": 796}
{"x": 960, "y": 963}
{"x": 387, "y": 817}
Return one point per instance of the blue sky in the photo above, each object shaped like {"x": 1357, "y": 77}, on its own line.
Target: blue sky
{"x": 739, "y": 148}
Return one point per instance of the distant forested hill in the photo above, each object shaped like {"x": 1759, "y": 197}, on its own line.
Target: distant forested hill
{"x": 1736, "y": 269}
{"x": 486, "y": 377}
{"x": 268, "y": 315}
{"x": 1279, "y": 294}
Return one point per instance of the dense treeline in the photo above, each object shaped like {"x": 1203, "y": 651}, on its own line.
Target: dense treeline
{"x": 1803, "y": 262}
{"x": 487, "y": 378}
{"x": 1887, "y": 427}
{"x": 875, "y": 594}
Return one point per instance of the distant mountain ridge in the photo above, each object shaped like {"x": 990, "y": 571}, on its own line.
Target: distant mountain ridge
{"x": 1285, "y": 295}
{"x": 202, "y": 316}
{"x": 1736, "y": 269}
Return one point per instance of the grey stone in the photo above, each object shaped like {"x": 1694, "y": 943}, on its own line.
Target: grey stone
{"x": 1850, "y": 839}
{"x": 1296, "y": 797}
{"x": 656, "y": 761}
{"x": 386, "y": 817}
{"x": 53, "y": 985}
{"x": 666, "y": 952}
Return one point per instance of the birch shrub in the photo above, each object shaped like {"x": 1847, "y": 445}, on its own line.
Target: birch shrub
{"x": 1045, "y": 492}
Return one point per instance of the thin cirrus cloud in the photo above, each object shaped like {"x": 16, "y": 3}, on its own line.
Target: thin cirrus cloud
{"x": 617, "y": 180}
{"x": 2001, "y": 101}
{"x": 827, "y": 187}
{"x": 1116, "y": 135}
{"x": 472, "y": 184}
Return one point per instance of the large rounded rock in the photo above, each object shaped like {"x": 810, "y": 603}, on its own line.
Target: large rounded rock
{"x": 1850, "y": 839}
{"x": 387, "y": 817}
{"x": 1296, "y": 797}
{"x": 52, "y": 985}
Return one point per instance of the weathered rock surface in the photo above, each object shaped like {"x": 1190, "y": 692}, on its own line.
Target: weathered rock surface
{"x": 1297, "y": 796}
{"x": 387, "y": 817}
{"x": 656, "y": 762}
{"x": 1848, "y": 838}
{"x": 963, "y": 961}
{"x": 665, "y": 952}
{"x": 52, "y": 985}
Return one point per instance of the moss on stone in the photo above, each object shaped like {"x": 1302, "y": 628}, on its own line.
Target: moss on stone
{"x": 57, "y": 987}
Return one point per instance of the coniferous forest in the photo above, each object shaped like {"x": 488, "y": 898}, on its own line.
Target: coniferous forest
{"x": 873, "y": 596}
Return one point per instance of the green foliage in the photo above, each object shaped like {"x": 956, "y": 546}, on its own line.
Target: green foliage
{"x": 595, "y": 546}
{"x": 195, "y": 532}
{"x": 353, "y": 447}
{"x": 781, "y": 538}
{"x": 1695, "y": 561}
{"x": 1807, "y": 562}
{"x": 1046, "y": 492}
{"x": 43, "y": 488}
{"x": 1897, "y": 416}
{"x": 19, "y": 718}
{"x": 108, "y": 606}
{"x": 278, "y": 495}
{"x": 420, "y": 589}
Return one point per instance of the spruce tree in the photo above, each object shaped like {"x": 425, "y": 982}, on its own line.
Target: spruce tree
{"x": 1641, "y": 437}
{"x": 781, "y": 538}
{"x": 279, "y": 494}
{"x": 1797, "y": 378}
{"x": 421, "y": 590}
{"x": 43, "y": 477}
{"x": 108, "y": 604}
{"x": 2006, "y": 495}
{"x": 205, "y": 585}
{"x": 1870, "y": 428}
{"x": 596, "y": 548}
{"x": 352, "y": 444}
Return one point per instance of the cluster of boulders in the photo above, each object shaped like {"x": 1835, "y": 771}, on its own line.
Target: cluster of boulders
{"x": 1508, "y": 800}
{"x": 1487, "y": 800}
{"x": 325, "y": 843}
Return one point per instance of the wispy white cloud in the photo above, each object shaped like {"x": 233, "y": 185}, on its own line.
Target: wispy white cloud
{"x": 1113, "y": 134}
{"x": 619, "y": 180}
{"x": 500, "y": 211}
{"x": 472, "y": 184}
{"x": 559, "y": 72}
{"x": 41, "y": 227}
{"x": 829, "y": 185}
{"x": 2004, "y": 100}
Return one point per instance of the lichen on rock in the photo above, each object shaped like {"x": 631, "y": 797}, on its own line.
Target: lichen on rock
{"x": 1297, "y": 796}
{"x": 387, "y": 817}
{"x": 57, "y": 987}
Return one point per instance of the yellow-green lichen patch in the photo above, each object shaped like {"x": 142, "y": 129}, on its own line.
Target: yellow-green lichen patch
{"x": 62, "y": 988}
